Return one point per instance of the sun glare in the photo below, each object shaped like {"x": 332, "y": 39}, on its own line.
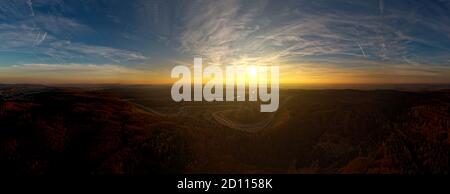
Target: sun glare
{"x": 252, "y": 72}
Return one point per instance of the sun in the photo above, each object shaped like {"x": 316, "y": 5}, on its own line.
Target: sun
{"x": 252, "y": 72}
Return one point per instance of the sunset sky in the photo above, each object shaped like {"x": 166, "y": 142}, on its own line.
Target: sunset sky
{"x": 140, "y": 41}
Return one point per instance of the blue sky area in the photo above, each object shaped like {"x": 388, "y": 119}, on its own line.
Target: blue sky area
{"x": 399, "y": 41}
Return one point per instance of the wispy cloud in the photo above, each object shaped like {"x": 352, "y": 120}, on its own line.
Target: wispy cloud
{"x": 69, "y": 49}
{"x": 21, "y": 38}
{"x": 370, "y": 72}
{"x": 214, "y": 29}
{"x": 69, "y": 68}
{"x": 53, "y": 37}
{"x": 246, "y": 32}
{"x": 71, "y": 73}
{"x": 40, "y": 38}
{"x": 342, "y": 36}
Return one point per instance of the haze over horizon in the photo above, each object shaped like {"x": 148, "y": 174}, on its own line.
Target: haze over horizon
{"x": 139, "y": 41}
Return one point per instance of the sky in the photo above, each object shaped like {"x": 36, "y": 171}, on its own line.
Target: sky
{"x": 140, "y": 41}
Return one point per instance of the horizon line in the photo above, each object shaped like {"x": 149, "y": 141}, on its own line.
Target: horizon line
{"x": 343, "y": 86}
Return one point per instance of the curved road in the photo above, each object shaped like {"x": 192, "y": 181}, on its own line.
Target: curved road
{"x": 253, "y": 127}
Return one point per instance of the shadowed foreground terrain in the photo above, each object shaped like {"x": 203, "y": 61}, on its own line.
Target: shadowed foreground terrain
{"x": 139, "y": 130}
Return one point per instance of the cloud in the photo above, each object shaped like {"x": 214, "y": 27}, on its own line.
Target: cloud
{"x": 231, "y": 32}
{"x": 215, "y": 28}
{"x": 23, "y": 38}
{"x": 363, "y": 71}
{"x": 72, "y": 73}
{"x": 40, "y": 38}
{"x": 345, "y": 35}
{"x": 30, "y": 4}
{"x": 15, "y": 9}
{"x": 58, "y": 25}
{"x": 52, "y": 37}
{"x": 73, "y": 68}
{"x": 69, "y": 49}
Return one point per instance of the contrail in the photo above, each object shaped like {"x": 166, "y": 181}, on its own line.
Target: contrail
{"x": 362, "y": 50}
{"x": 359, "y": 43}
{"x": 39, "y": 38}
{"x": 30, "y": 5}
{"x": 42, "y": 39}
